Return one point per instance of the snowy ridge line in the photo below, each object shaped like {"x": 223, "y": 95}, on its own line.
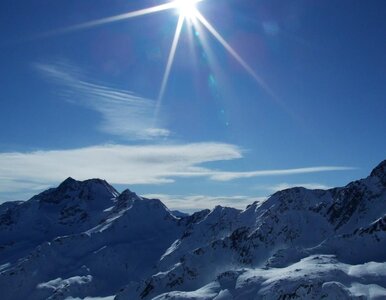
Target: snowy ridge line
{"x": 84, "y": 240}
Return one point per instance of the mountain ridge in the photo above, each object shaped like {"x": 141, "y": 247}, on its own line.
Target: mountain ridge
{"x": 84, "y": 239}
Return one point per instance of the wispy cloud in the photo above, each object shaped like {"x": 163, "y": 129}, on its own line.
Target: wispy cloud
{"x": 119, "y": 164}
{"x": 122, "y": 164}
{"x": 191, "y": 203}
{"x": 226, "y": 176}
{"x": 123, "y": 113}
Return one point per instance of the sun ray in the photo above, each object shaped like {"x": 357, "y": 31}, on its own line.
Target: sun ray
{"x": 187, "y": 12}
{"x": 111, "y": 19}
{"x": 233, "y": 52}
{"x": 170, "y": 62}
{"x": 190, "y": 30}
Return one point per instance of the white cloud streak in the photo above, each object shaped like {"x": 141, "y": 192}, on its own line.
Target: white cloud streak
{"x": 122, "y": 164}
{"x": 123, "y": 113}
{"x": 227, "y": 176}
{"x": 119, "y": 164}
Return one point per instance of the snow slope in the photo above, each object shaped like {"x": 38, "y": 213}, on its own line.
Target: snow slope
{"x": 84, "y": 239}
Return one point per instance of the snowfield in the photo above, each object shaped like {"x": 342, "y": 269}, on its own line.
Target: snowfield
{"x": 84, "y": 240}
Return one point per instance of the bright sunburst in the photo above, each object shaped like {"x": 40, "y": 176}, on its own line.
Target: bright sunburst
{"x": 186, "y": 8}
{"x": 188, "y": 11}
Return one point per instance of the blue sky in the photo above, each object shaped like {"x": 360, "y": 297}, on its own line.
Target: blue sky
{"x": 295, "y": 96}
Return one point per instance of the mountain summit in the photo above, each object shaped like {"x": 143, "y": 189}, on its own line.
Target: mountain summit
{"x": 84, "y": 239}
{"x": 380, "y": 172}
{"x": 71, "y": 189}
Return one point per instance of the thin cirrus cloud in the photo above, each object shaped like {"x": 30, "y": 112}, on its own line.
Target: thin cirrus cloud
{"x": 118, "y": 164}
{"x": 134, "y": 164}
{"x": 227, "y": 176}
{"x": 123, "y": 113}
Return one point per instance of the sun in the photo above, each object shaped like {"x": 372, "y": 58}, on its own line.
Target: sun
{"x": 188, "y": 12}
{"x": 186, "y": 8}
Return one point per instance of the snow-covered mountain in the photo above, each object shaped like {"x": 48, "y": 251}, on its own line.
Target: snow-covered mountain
{"x": 84, "y": 239}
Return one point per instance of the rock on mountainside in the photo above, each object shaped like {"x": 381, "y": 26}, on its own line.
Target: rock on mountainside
{"x": 84, "y": 239}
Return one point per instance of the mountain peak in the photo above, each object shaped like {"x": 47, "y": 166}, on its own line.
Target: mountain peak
{"x": 69, "y": 182}
{"x": 380, "y": 171}
{"x": 71, "y": 189}
{"x": 126, "y": 198}
{"x": 128, "y": 195}
{"x": 127, "y": 192}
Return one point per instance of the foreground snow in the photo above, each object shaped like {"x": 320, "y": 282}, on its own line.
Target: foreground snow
{"x": 314, "y": 277}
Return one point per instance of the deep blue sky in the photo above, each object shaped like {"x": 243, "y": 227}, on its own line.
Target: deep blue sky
{"x": 324, "y": 62}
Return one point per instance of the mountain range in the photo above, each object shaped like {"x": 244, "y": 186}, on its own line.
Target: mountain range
{"x": 85, "y": 240}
